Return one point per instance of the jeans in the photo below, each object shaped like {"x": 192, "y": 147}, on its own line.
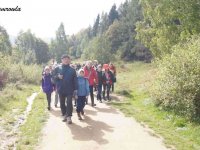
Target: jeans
{"x": 91, "y": 94}
{"x": 106, "y": 89}
{"x": 48, "y": 95}
{"x": 56, "y": 97}
{"x": 99, "y": 89}
{"x": 80, "y": 103}
{"x": 66, "y": 105}
{"x": 112, "y": 86}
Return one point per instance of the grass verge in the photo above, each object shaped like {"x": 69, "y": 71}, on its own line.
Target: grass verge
{"x": 13, "y": 101}
{"x": 31, "y": 130}
{"x": 134, "y": 81}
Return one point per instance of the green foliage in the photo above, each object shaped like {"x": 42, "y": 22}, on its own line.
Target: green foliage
{"x": 96, "y": 26}
{"x": 42, "y": 51}
{"x": 113, "y": 14}
{"x": 98, "y": 50}
{"x": 22, "y": 73}
{"x": 114, "y": 30}
{"x": 31, "y": 130}
{"x": 32, "y": 49}
{"x": 61, "y": 42}
{"x": 166, "y": 23}
{"x": 19, "y": 72}
{"x": 5, "y": 45}
{"x": 177, "y": 86}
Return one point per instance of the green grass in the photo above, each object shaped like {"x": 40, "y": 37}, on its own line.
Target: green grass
{"x": 31, "y": 130}
{"x": 134, "y": 82}
{"x": 13, "y": 100}
{"x": 13, "y": 103}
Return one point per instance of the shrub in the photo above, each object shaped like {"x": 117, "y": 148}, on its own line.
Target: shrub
{"x": 25, "y": 73}
{"x": 13, "y": 73}
{"x": 177, "y": 85}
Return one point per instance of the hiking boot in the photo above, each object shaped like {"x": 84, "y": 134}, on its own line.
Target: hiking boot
{"x": 79, "y": 116}
{"x": 48, "y": 108}
{"x": 65, "y": 119}
{"x": 82, "y": 113}
{"x": 93, "y": 105}
{"x": 69, "y": 121}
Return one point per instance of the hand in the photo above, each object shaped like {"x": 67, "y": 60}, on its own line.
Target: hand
{"x": 60, "y": 76}
{"x": 75, "y": 94}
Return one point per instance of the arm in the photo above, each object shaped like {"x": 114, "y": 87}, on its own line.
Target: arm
{"x": 95, "y": 76}
{"x": 87, "y": 86}
{"x": 75, "y": 82}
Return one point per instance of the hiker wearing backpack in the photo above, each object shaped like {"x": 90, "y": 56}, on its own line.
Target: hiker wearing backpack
{"x": 107, "y": 82}
{"x": 55, "y": 71}
{"x": 67, "y": 87}
{"x": 100, "y": 82}
{"x": 91, "y": 75}
{"x": 112, "y": 68}
{"x": 82, "y": 92}
{"x": 47, "y": 85}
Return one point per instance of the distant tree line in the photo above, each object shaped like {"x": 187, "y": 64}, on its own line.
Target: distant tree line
{"x": 111, "y": 37}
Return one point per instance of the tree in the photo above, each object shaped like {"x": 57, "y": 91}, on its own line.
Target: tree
{"x": 41, "y": 52}
{"x": 103, "y": 24}
{"x": 113, "y": 14}
{"x": 166, "y": 23}
{"x": 61, "y": 42}
{"x": 95, "y": 28}
{"x": 5, "y": 45}
{"x": 26, "y": 43}
{"x": 73, "y": 45}
{"x": 31, "y": 48}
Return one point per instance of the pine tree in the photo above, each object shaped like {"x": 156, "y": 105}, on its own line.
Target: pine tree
{"x": 96, "y": 26}
{"x": 113, "y": 14}
{"x": 61, "y": 41}
{"x": 5, "y": 45}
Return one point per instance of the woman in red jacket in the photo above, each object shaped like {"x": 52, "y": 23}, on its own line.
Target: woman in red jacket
{"x": 91, "y": 75}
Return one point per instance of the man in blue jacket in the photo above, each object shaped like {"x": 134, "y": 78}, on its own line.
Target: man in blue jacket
{"x": 67, "y": 87}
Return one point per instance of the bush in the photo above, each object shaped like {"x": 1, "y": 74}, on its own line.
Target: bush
{"x": 17, "y": 73}
{"x": 177, "y": 85}
{"x": 25, "y": 73}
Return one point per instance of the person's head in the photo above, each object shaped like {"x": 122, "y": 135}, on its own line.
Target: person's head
{"x": 65, "y": 60}
{"x": 47, "y": 70}
{"x": 89, "y": 64}
{"x": 81, "y": 72}
{"x": 106, "y": 69}
{"x": 110, "y": 64}
{"x": 99, "y": 68}
{"x": 95, "y": 62}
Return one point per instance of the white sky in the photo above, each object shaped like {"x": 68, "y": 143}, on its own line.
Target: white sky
{"x": 44, "y": 16}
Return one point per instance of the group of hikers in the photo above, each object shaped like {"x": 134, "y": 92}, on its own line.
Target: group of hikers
{"x": 76, "y": 81}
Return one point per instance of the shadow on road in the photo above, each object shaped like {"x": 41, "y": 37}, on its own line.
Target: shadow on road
{"x": 106, "y": 110}
{"x": 93, "y": 132}
{"x": 56, "y": 112}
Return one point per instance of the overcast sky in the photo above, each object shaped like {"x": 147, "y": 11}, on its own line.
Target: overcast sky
{"x": 44, "y": 16}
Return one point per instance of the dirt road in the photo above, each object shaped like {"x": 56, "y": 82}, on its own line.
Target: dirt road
{"x": 103, "y": 128}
